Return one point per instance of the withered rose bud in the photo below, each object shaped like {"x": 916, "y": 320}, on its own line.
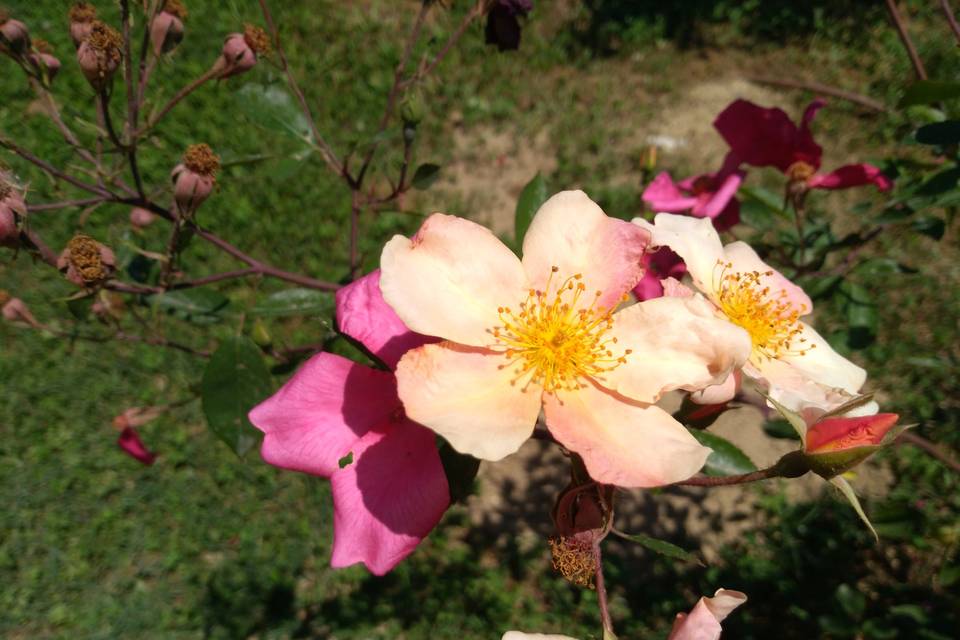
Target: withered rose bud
{"x": 12, "y": 210}
{"x": 241, "y": 51}
{"x": 82, "y": 16}
{"x": 194, "y": 178}
{"x": 85, "y": 262}
{"x": 100, "y": 54}
{"x": 14, "y": 35}
{"x": 16, "y": 310}
{"x": 141, "y": 218}
{"x": 43, "y": 59}
{"x": 166, "y": 30}
{"x": 575, "y": 557}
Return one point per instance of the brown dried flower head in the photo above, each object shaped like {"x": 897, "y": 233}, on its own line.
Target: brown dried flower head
{"x": 176, "y": 8}
{"x": 83, "y": 12}
{"x": 42, "y": 46}
{"x": 107, "y": 41}
{"x": 201, "y": 159}
{"x": 574, "y": 558}
{"x": 5, "y": 189}
{"x": 257, "y": 39}
{"x": 84, "y": 256}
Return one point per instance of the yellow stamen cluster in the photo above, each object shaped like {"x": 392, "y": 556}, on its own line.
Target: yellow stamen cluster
{"x": 800, "y": 171}
{"x": 553, "y": 343}
{"x": 257, "y": 39}
{"x": 201, "y": 159}
{"x": 771, "y": 320}
{"x": 574, "y": 559}
{"x": 86, "y": 258}
{"x": 83, "y": 12}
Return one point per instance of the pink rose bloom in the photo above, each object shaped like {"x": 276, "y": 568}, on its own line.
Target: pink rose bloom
{"x": 129, "y": 441}
{"x": 545, "y": 333}
{"x": 341, "y": 420}
{"x": 766, "y": 137}
{"x": 658, "y": 266}
{"x": 703, "y": 623}
{"x": 798, "y": 367}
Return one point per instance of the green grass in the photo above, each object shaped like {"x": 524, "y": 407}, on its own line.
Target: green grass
{"x": 204, "y": 544}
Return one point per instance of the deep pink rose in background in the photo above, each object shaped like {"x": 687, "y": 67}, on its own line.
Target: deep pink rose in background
{"x": 341, "y": 420}
{"x": 766, "y": 137}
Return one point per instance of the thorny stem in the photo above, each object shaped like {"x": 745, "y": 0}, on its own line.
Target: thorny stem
{"x": 723, "y": 481}
{"x": 602, "y": 591}
{"x": 905, "y": 39}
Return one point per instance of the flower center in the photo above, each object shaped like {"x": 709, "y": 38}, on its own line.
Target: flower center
{"x": 552, "y": 343}
{"x": 772, "y": 322}
{"x": 800, "y": 171}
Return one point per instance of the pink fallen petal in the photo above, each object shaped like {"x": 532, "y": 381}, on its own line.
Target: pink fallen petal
{"x": 851, "y": 175}
{"x": 389, "y": 498}
{"x": 321, "y": 412}
{"x": 364, "y": 315}
{"x": 130, "y": 442}
{"x": 703, "y": 623}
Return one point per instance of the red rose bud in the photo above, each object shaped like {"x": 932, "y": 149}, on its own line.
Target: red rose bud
{"x": 194, "y": 178}
{"x": 85, "y": 262}
{"x": 241, "y": 51}
{"x": 99, "y": 55}
{"x": 82, "y": 16}
{"x": 44, "y": 60}
{"x": 836, "y": 445}
{"x": 166, "y": 30}
{"x": 16, "y": 310}
{"x": 141, "y": 218}
{"x": 14, "y": 35}
{"x": 131, "y": 444}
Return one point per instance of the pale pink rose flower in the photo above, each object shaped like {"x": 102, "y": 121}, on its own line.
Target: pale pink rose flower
{"x": 703, "y": 622}
{"x": 796, "y": 365}
{"x": 341, "y": 420}
{"x": 546, "y": 333}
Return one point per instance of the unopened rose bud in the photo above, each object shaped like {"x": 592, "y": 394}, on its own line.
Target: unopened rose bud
{"x": 82, "y": 16}
{"x": 141, "y": 218}
{"x": 194, "y": 178}
{"x": 12, "y": 210}
{"x": 43, "y": 59}
{"x": 16, "y": 310}
{"x": 241, "y": 51}
{"x": 85, "y": 262}
{"x": 836, "y": 445}
{"x": 100, "y": 54}
{"x": 14, "y": 35}
{"x": 166, "y": 30}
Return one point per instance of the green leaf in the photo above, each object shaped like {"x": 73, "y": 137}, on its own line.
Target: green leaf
{"x": 852, "y": 601}
{"x": 533, "y": 195}
{"x": 795, "y": 420}
{"x": 862, "y": 316}
{"x": 460, "y": 470}
{"x": 780, "y": 429}
{"x": 345, "y": 461}
{"x": 727, "y": 459}
{"x": 662, "y": 547}
{"x": 930, "y": 226}
{"x": 425, "y": 175}
{"x": 929, "y": 91}
{"x": 199, "y": 305}
{"x": 273, "y": 108}
{"x": 294, "y": 302}
{"x": 772, "y": 202}
{"x": 939, "y": 133}
{"x": 80, "y": 307}
{"x": 848, "y": 493}
{"x": 235, "y": 380}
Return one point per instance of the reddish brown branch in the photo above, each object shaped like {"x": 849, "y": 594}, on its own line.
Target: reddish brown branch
{"x": 724, "y": 481}
{"x": 951, "y": 20}
{"x": 823, "y": 89}
{"x": 908, "y": 437}
{"x": 905, "y": 39}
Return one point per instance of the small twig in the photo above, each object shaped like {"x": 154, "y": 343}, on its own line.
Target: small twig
{"x": 29, "y": 157}
{"x": 53, "y": 206}
{"x": 948, "y": 12}
{"x": 472, "y": 15}
{"x": 355, "y": 209}
{"x": 723, "y": 481}
{"x": 103, "y": 101}
{"x": 602, "y": 591}
{"x": 905, "y": 39}
{"x": 908, "y": 437}
{"x": 827, "y": 90}
{"x": 327, "y": 151}
{"x": 216, "y": 277}
{"x": 849, "y": 261}
{"x": 210, "y": 74}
